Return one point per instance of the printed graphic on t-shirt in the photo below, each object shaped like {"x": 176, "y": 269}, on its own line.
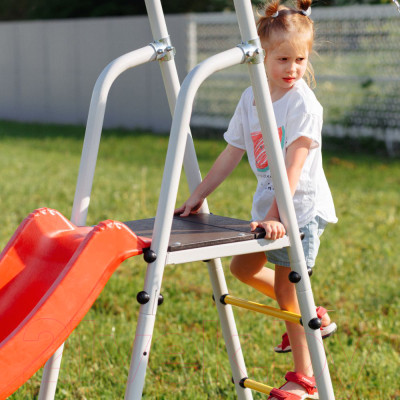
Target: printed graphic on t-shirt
{"x": 259, "y": 149}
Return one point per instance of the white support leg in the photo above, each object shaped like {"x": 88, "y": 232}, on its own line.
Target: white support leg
{"x": 140, "y": 356}
{"x": 50, "y": 375}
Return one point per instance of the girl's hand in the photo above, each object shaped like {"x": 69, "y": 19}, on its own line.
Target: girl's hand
{"x": 223, "y": 166}
{"x": 191, "y": 206}
{"x": 273, "y": 229}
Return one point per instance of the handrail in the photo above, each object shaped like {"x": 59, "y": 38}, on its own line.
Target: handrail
{"x": 95, "y": 124}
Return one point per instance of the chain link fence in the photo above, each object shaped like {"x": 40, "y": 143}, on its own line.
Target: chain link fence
{"x": 356, "y": 66}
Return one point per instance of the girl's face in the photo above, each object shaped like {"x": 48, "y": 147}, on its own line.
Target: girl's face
{"x": 285, "y": 64}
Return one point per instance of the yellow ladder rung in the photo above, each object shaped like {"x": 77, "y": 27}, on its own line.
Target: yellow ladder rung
{"x": 262, "y": 308}
{"x": 257, "y": 386}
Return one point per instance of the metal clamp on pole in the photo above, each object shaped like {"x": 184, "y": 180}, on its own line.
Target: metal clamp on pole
{"x": 163, "y": 48}
{"x": 254, "y": 53}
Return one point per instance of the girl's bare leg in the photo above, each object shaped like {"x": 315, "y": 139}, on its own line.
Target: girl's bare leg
{"x": 286, "y": 296}
{"x": 250, "y": 269}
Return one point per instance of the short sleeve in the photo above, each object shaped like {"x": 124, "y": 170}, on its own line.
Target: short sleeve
{"x": 304, "y": 124}
{"x": 235, "y": 133}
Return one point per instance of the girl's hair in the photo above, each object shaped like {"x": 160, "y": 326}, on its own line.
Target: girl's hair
{"x": 281, "y": 20}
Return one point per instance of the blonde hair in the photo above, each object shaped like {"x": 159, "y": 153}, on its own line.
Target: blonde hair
{"x": 280, "y": 20}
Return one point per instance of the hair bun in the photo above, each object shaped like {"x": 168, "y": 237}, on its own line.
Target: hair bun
{"x": 272, "y": 9}
{"x": 304, "y": 5}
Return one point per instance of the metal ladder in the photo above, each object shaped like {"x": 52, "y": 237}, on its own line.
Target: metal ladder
{"x": 181, "y": 152}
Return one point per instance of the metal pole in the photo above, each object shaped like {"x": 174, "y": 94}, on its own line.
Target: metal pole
{"x": 172, "y": 86}
{"x": 288, "y": 216}
{"x": 397, "y": 4}
{"x": 285, "y": 203}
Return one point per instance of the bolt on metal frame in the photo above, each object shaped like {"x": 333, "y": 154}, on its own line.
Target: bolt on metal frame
{"x": 181, "y": 152}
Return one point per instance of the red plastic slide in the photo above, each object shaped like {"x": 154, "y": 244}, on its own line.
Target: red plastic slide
{"x": 51, "y": 272}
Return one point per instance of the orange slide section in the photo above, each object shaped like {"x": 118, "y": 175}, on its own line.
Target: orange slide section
{"x": 51, "y": 272}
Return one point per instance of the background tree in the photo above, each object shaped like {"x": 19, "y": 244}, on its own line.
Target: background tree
{"x": 55, "y": 9}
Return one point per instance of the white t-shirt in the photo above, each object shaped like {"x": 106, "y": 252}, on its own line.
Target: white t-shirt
{"x": 298, "y": 113}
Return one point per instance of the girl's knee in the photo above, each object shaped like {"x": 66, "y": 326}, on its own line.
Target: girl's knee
{"x": 245, "y": 266}
{"x": 285, "y": 291}
{"x": 287, "y": 299}
{"x": 239, "y": 268}
{"x": 238, "y": 271}
{"x": 282, "y": 292}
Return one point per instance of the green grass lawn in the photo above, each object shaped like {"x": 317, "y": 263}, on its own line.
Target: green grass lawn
{"x": 356, "y": 276}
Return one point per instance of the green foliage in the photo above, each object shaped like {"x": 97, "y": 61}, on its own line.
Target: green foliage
{"x": 356, "y": 276}
{"x": 40, "y": 9}
{"x": 56, "y": 9}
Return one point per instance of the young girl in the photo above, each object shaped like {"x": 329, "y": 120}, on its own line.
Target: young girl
{"x": 287, "y": 37}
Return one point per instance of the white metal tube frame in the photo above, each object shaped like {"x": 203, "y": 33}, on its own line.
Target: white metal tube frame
{"x": 163, "y": 222}
{"x": 81, "y": 203}
{"x": 284, "y": 199}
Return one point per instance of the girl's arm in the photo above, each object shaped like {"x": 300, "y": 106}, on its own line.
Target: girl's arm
{"x": 296, "y": 155}
{"x": 223, "y": 166}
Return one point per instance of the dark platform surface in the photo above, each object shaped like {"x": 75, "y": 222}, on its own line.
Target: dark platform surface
{"x": 199, "y": 230}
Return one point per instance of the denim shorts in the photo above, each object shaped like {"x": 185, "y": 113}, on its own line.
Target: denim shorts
{"x": 312, "y": 231}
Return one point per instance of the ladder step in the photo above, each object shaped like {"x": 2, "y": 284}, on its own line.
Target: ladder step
{"x": 257, "y": 386}
{"x": 262, "y": 308}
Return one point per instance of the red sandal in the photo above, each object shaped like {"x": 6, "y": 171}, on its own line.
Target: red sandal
{"x": 308, "y": 383}
{"x": 326, "y": 331}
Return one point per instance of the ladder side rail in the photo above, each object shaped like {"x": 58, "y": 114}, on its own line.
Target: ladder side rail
{"x": 287, "y": 213}
{"x": 86, "y": 173}
{"x": 284, "y": 199}
{"x": 165, "y": 210}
